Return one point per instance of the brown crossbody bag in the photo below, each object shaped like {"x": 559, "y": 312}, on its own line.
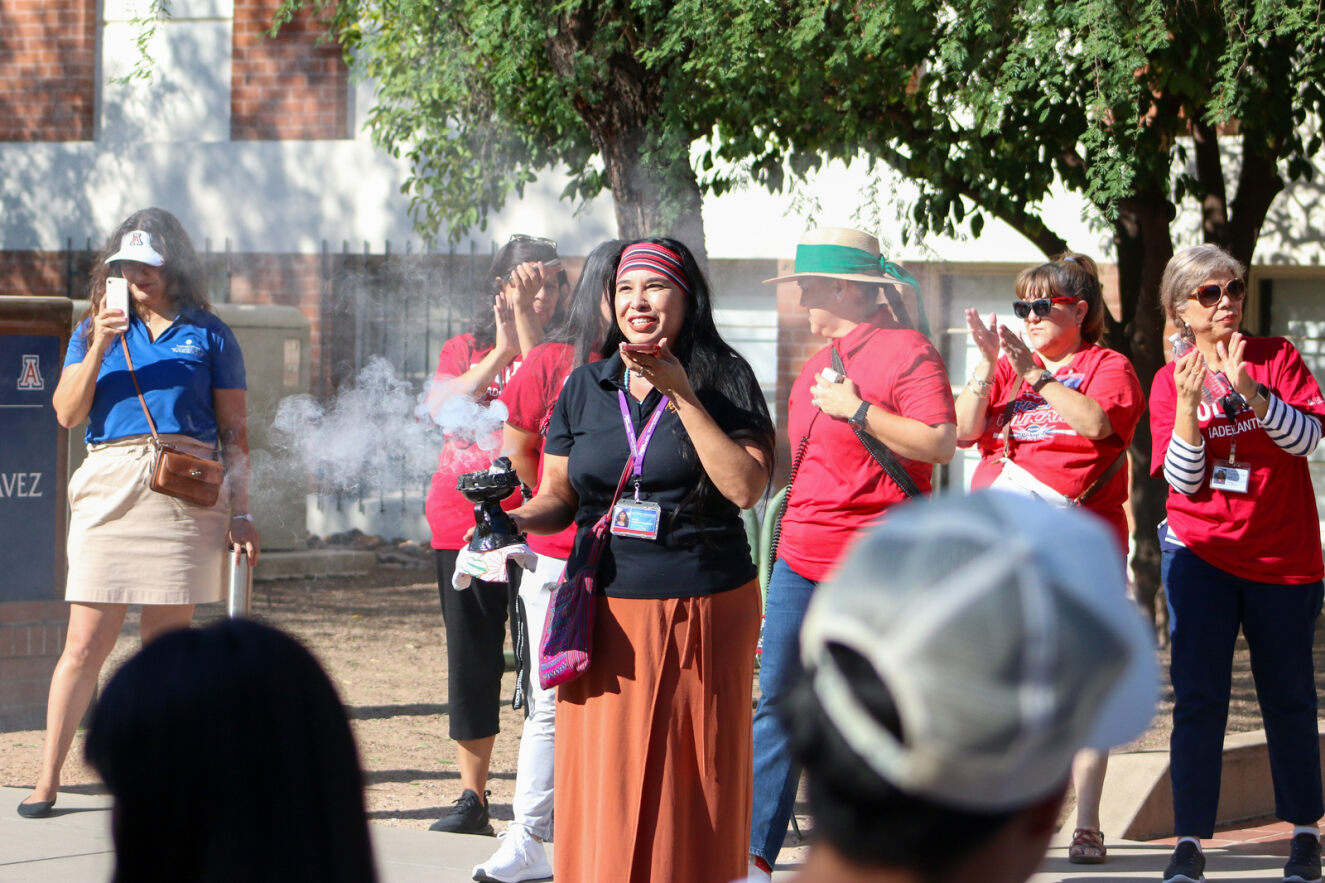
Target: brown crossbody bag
{"x": 177, "y": 473}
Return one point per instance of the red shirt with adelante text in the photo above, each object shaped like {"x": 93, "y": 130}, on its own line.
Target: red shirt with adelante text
{"x": 1271, "y": 534}
{"x": 529, "y": 397}
{"x": 839, "y": 489}
{"x": 449, "y": 514}
{"x": 1048, "y": 448}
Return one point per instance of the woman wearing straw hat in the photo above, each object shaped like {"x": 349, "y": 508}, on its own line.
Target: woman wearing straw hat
{"x": 868, "y": 417}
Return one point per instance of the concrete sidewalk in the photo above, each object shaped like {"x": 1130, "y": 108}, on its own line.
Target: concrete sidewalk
{"x": 73, "y": 846}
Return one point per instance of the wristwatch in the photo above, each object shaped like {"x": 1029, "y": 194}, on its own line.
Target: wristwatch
{"x": 858, "y": 419}
{"x": 1045, "y": 377}
{"x": 1262, "y": 393}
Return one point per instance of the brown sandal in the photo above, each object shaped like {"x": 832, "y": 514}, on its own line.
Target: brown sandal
{"x": 1087, "y": 847}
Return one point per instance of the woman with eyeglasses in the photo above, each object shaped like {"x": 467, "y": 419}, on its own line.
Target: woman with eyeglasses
{"x": 525, "y": 290}
{"x": 1233, "y": 419}
{"x": 1053, "y": 415}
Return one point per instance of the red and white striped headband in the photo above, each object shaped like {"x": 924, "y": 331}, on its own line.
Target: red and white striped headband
{"x": 655, "y": 257}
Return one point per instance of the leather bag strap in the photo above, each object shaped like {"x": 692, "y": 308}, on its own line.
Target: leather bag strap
{"x": 1103, "y": 479}
{"x": 151, "y": 424}
{"x": 877, "y": 449}
{"x": 1089, "y": 492}
{"x": 600, "y": 529}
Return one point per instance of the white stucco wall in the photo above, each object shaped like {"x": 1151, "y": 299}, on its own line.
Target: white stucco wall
{"x": 165, "y": 141}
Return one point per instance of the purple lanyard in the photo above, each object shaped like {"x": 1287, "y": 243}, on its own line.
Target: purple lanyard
{"x": 639, "y": 446}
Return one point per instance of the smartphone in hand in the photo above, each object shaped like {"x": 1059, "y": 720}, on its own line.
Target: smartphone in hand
{"x": 651, "y": 349}
{"x": 117, "y": 294}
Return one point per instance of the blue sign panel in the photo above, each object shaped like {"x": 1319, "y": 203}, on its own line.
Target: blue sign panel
{"x": 29, "y": 445}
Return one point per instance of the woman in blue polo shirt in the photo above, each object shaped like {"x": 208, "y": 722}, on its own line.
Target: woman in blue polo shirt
{"x": 127, "y": 543}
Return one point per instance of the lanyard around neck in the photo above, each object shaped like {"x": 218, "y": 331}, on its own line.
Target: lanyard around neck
{"x": 638, "y": 446}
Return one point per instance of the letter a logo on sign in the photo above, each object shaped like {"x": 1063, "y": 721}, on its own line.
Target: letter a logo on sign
{"x": 30, "y": 376}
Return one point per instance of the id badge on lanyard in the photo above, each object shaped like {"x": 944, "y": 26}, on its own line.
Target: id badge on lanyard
{"x": 1230, "y": 476}
{"x": 638, "y": 518}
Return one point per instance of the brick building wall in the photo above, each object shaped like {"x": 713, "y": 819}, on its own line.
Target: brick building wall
{"x": 293, "y": 280}
{"x": 34, "y": 273}
{"x": 32, "y": 635}
{"x": 48, "y": 65}
{"x": 287, "y": 88}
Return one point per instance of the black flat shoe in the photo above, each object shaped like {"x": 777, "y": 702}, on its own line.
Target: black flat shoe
{"x": 38, "y": 809}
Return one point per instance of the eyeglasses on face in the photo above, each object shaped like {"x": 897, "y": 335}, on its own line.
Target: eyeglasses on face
{"x": 1210, "y": 294}
{"x": 1040, "y": 306}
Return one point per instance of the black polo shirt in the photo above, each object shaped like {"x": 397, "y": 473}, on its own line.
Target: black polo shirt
{"x": 696, "y": 553}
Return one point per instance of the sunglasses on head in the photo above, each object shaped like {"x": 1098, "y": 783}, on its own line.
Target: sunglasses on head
{"x": 520, "y": 237}
{"x": 1209, "y": 295}
{"x": 1040, "y": 306}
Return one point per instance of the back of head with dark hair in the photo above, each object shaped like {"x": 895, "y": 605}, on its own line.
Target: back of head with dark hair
{"x": 582, "y": 325}
{"x": 230, "y": 757}
{"x": 863, "y": 817}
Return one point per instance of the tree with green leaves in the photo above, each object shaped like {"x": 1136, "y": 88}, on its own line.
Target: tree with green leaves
{"x": 990, "y": 106}
{"x": 483, "y": 96}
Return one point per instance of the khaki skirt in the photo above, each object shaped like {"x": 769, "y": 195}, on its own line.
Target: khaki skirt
{"x": 129, "y": 544}
{"x": 653, "y": 751}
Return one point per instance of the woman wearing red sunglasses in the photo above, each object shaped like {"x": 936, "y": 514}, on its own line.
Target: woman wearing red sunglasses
{"x": 1233, "y": 421}
{"x": 1053, "y": 416}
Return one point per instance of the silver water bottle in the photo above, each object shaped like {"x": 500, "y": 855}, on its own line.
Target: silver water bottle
{"x": 241, "y": 584}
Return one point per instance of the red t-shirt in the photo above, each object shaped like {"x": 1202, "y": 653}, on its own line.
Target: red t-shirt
{"x": 449, "y": 513}
{"x": 839, "y": 488}
{"x": 1272, "y": 532}
{"x": 529, "y": 398}
{"x": 1047, "y": 447}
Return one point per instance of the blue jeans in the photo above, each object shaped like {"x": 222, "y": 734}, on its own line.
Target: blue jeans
{"x": 776, "y": 773}
{"x": 1206, "y": 607}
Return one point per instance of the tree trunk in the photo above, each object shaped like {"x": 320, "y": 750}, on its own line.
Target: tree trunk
{"x": 654, "y": 189}
{"x": 646, "y": 159}
{"x": 1144, "y": 248}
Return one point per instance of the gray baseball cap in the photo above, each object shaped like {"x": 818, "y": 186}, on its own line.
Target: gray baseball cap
{"x": 1001, "y": 628}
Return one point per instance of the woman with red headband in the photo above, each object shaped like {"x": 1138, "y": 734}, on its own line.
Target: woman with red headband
{"x": 653, "y": 767}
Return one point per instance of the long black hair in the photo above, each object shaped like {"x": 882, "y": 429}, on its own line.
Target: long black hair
{"x": 583, "y": 326}
{"x": 229, "y": 757}
{"x": 713, "y": 367}
{"x": 519, "y": 250}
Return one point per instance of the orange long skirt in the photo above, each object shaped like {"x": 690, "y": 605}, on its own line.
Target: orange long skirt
{"x": 653, "y": 750}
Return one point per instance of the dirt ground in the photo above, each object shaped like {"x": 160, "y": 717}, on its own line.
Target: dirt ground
{"x": 380, "y": 637}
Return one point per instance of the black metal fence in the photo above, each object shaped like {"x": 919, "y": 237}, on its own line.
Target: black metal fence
{"x": 401, "y": 305}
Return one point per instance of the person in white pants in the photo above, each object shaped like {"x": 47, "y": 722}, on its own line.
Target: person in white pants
{"x": 529, "y": 398}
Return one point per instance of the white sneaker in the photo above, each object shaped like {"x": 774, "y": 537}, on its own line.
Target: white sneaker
{"x": 757, "y": 874}
{"x": 518, "y": 858}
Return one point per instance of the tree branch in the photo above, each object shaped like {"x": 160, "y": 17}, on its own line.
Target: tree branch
{"x": 1210, "y": 173}
{"x": 1016, "y": 216}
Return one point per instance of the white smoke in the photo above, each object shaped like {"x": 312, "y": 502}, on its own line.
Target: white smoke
{"x": 380, "y": 435}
